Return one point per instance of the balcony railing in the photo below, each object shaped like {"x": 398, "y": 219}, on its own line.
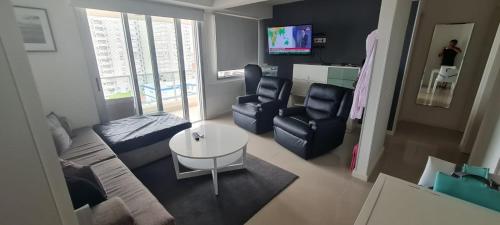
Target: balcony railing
{"x": 116, "y": 87}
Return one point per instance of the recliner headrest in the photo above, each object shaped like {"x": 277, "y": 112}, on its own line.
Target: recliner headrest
{"x": 269, "y": 88}
{"x": 327, "y": 101}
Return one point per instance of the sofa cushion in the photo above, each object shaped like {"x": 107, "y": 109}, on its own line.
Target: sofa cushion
{"x": 118, "y": 181}
{"x": 134, "y": 132}
{"x": 87, "y": 148}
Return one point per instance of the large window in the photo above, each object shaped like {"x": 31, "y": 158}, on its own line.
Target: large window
{"x": 153, "y": 61}
{"x": 111, "y": 53}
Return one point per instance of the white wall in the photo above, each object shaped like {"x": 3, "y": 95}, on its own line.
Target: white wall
{"x": 220, "y": 95}
{"x": 62, "y": 77}
{"x": 392, "y": 25}
{"x": 486, "y": 150}
{"x": 33, "y": 190}
{"x": 483, "y": 92}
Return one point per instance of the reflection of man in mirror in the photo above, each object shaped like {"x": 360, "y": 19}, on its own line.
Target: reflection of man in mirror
{"x": 449, "y": 53}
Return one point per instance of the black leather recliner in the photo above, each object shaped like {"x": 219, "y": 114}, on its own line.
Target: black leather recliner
{"x": 318, "y": 126}
{"x": 253, "y": 73}
{"x": 255, "y": 113}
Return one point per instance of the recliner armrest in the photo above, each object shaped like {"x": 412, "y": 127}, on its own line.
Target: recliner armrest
{"x": 247, "y": 98}
{"x": 292, "y": 111}
{"x": 328, "y": 123}
{"x": 267, "y": 106}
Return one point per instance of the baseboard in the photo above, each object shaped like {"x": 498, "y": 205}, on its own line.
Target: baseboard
{"x": 359, "y": 175}
{"x": 364, "y": 177}
{"x": 220, "y": 114}
{"x": 373, "y": 165}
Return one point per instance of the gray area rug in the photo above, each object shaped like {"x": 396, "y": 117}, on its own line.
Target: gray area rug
{"x": 192, "y": 201}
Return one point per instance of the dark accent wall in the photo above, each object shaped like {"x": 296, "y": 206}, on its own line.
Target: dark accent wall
{"x": 346, "y": 24}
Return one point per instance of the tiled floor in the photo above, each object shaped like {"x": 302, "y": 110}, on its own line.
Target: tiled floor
{"x": 441, "y": 98}
{"x": 325, "y": 192}
{"x": 406, "y": 152}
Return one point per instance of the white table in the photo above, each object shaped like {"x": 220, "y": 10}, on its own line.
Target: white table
{"x": 223, "y": 148}
{"x": 393, "y": 201}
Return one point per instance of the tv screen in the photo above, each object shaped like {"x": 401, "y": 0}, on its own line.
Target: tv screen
{"x": 289, "y": 39}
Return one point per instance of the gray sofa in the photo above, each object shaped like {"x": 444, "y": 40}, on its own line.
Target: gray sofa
{"x": 129, "y": 201}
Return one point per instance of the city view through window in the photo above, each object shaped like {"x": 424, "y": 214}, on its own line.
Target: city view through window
{"x": 110, "y": 46}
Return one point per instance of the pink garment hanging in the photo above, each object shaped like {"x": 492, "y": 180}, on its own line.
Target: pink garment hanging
{"x": 361, "y": 91}
{"x": 354, "y": 157}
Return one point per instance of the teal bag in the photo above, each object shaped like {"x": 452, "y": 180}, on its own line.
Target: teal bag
{"x": 476, "y": 170}
{"x": 473, "y": 174}
{"x": 468, "y": 190}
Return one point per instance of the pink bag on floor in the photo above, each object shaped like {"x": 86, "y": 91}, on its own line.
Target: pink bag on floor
{"x": 354, "y": 157}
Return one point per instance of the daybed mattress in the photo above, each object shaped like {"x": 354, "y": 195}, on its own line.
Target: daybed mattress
{"x": 130, "y": 133}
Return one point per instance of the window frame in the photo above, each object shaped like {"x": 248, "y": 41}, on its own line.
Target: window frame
{"x": 94, "y": 72}
{"x": 231, "y": 74}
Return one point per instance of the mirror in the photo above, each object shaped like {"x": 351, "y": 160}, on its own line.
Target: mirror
{"x": 444, "y": 63}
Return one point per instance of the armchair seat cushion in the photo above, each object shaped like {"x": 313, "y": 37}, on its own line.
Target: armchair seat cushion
{"x": 294, "y": 126}
{"x": 301, "y": 118}
{"x": 247, "y": 109}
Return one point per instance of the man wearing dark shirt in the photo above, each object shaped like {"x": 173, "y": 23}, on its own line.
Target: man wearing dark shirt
{"x": 449, "y": 53}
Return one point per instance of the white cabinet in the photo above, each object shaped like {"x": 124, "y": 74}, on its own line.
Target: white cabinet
{"x": 306, "y": 74}
{"x": 393, "y": 201}
{"x": 310, "y": 72}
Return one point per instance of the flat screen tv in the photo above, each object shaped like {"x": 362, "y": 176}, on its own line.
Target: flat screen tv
{"x": 289, "y": 39}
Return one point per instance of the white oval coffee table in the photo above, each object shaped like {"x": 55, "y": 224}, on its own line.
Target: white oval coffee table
{"x": 223, "y": 148}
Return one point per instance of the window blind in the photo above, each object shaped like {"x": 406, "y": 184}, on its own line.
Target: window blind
{"x": 237, "y": 42}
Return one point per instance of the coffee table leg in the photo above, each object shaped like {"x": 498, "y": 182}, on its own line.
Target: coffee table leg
{"x": 176, "y": 165}
{"x": 214, "y": 177}
{"x": 244, "y": 156}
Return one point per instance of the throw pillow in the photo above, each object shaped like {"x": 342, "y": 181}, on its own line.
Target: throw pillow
{"x": 65, "y": 124}
{"x": 435, "y": 165}
{"x": 53, "y": 121}
{"x": 83, "y": 192}
{"x": 72, "y": 169}
{"x": 62, "y": 140}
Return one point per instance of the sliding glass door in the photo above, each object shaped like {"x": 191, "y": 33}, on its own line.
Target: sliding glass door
{"x": 152, "y": 61}
{"x": 110, "y": 48}
{"x": 190, "y": 48}
{"x": 143, "y": 64}
{"x": 168, "y": 64}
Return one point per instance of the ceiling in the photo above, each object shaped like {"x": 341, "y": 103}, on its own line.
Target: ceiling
{"x": 223, "y": 4}
{"x": 254, "y": 9}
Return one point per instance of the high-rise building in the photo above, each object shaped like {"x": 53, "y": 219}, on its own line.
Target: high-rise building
{"x": 111, "y": 52}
